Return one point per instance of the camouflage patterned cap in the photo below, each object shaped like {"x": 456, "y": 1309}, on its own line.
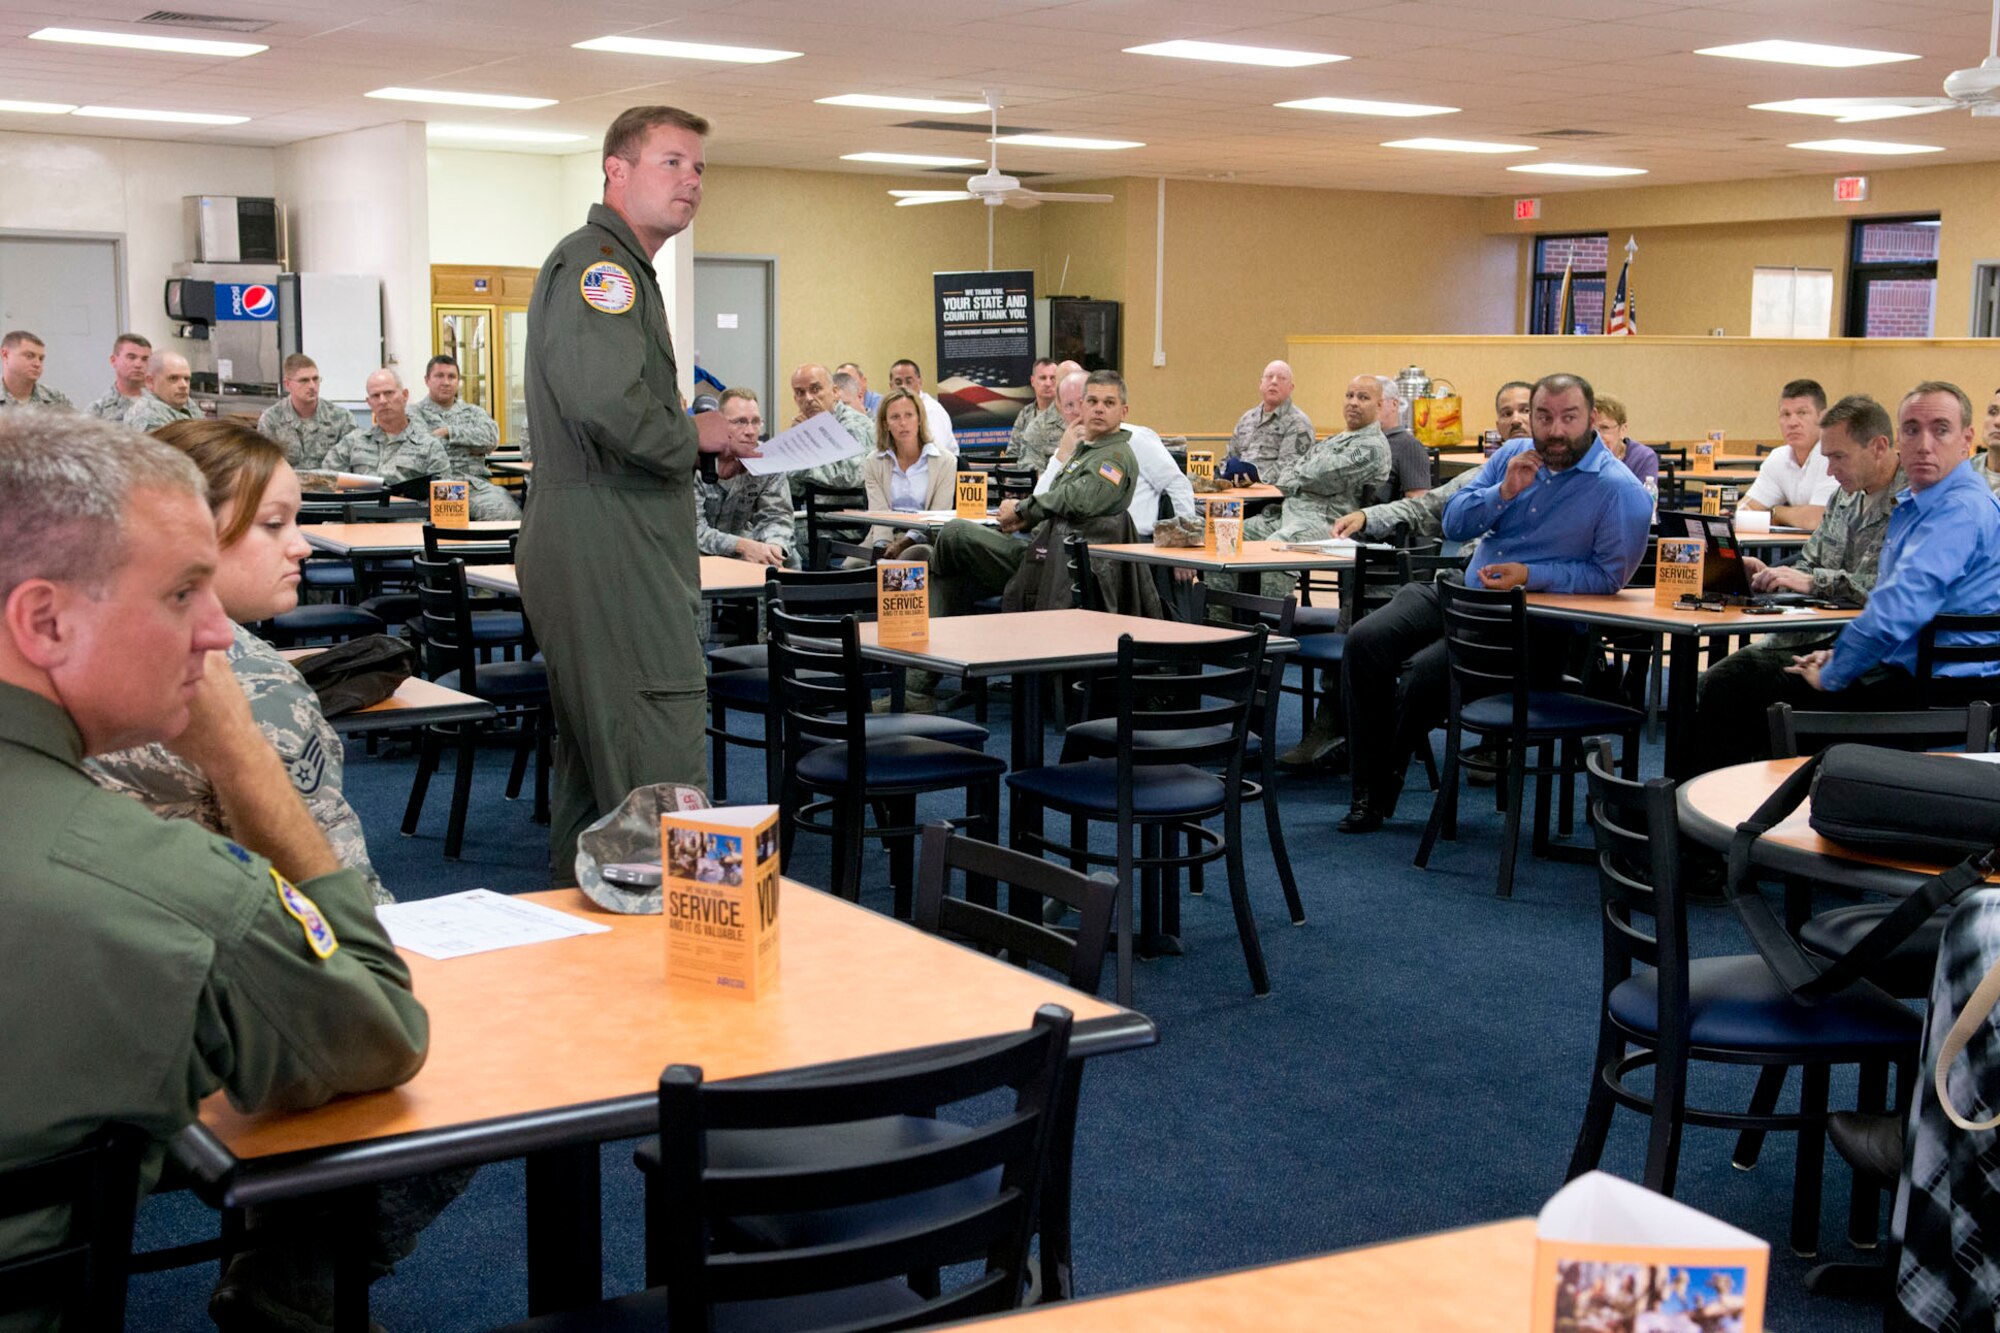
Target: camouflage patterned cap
{"x": 630, "y": 833}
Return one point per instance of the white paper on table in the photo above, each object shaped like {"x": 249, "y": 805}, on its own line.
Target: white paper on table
{"x": 1604, "y": 1210}
{"x": 815, "y": 441}
{"x": 476, "y": 921}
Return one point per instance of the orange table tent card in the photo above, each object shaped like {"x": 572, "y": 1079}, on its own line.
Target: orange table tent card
{"x": 1211, "y": 510}
{"x": 1200, "y": 463}
{"x": 451, "y": 503}
{"x": 720, "y": 899}
{"x": 1678, "y": 573}
{"x": 972, "y": 495}
{"x": 902, "y": 603}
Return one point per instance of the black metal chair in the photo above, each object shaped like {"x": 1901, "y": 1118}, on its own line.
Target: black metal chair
{"x": 1932, "y": 654}
{"x": 1486, "y": 646}
{"x": 447, "y": 652}
{"x": 80, "y": 1278}
{"x": 1192, "y": 702}
{"x": 1732, "y": 1010}
{"x": 730, "y": 1172}
{"x": 820, "y": 502}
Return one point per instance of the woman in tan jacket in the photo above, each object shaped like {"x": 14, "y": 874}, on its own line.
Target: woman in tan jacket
{"x": 907, "y": 471}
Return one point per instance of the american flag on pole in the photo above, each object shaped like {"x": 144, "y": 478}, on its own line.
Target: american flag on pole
{"x": 1624, "y": 306}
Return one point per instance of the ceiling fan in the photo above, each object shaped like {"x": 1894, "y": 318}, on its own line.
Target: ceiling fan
{"x": 1976, "y": 90}
{"x": 993, "y": 189}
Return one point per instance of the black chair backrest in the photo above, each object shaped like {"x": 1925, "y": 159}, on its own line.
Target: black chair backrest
{"x": 1637, "y": 829}
{"x": 1373, "y": 581}
{"x": 1795, "y": 733}
{"x": 444, "y": 619}
{"x": 1190, "y": 688}
{"x": 83, "y": 1275}
{"x": 1425, "y": 566}
{"x": 1486, "y": 643}
{"x": 1085, "y": 593}
{"x": 1649, "y": 566}
{"x": 1077, "y": 958}
{"x": 1939, "y": 644}
{"x": 821, "y": 686}
{"x": 1011, "y": 483}
{"x": 1246, "y": 610}
{"x": 474, "y": 548}
{"x": 824, "y": 594}
{"x": 821, "y": 501}
{"x": 992, "y": 1228}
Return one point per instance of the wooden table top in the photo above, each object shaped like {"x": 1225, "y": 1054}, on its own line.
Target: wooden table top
{"x": 1035, "y": 641}
{"x": 1633, "y": 609}
{"x": 1256, "y": 556}
{"x": 1479, "y": 1280}
{"x": 907, "y": 518}
{"x": 416, "y": 701}
{"x": 591, "y": 1018}
{"x": 1262, "y": 490}
{"x": 387, "y": 538}
{"x": 721, "y": 576}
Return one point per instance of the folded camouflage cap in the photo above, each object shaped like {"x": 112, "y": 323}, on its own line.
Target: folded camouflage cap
{"x": 630, "y": 833}
{"x": 1177, "y": 530}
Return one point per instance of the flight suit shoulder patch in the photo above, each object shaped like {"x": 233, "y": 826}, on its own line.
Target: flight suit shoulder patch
{"x": 319, "y": 935}
{"x": 608, "y": 287}
{"x": 1112, "y": 473}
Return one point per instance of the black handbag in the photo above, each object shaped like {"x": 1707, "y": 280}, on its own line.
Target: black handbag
{"x": 1920, "y": 807}
{"x": 353, "y": 675}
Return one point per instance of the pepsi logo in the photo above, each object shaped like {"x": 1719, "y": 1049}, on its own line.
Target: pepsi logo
{"x": 259, "y": 301}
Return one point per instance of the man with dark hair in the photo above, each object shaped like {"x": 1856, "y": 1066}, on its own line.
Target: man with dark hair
{"x": 1510, "y": 410}
{"x": 1987, "y": 465}
{"x": 610, "y": 573}
{"x": 1793, "y": 482}
{"x": 305, "y": 423}
{"x": 1558, "y": 514}
{"x": 747, "y": 517}
{"x": 467, "y": 433}
{"x": 131, "y": 360}
{"x": 908, "y": 376}
{"x": 23, "y": 356}
{"x": 1039, "y": 425}
{"x": 1940, "y": 556}
{"x": 1839, "y": 561}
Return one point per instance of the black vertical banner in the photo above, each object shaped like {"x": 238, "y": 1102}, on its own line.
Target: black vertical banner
{"x": 985, "y": 351}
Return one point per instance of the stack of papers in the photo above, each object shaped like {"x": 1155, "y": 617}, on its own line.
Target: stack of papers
{"x": 476, "y": 921}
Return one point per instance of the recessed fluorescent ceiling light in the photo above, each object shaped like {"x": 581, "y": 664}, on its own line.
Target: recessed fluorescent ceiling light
{"x": 1066, "y": 141}
{"x": 1459, "y": 146}
{"x": 1230, "y": 54}
{"x": 649, "y": 46}
{"x": 1350, "y": 106}
{"x": 1865, "y": 146}
{"x": 1576, "y": 169}
{"x": 37, "y": 108}
{"x": 1781, "y": 52}
{"x": 164, "y": 117}
{"x": 1847, "y": 113}
{"x": 932, "y": 105}
{"x": 497, "y": 101}
{"x": 499, "y": 134}
{"x": 139, "y": 41}
{"x": 911, "y": 159}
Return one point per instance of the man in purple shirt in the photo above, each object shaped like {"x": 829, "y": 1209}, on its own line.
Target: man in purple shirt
{"x": 1560, "y": 514}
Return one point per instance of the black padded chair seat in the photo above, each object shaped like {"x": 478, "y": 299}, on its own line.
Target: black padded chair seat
{"x": 646, "y": 1312}
{"x": 394, "y": 607}
{"x": 1735, "y": 1003}
{"x": 1315, "y": 620}
{"x": 1100, "y": 735}
{"x": 900, "y": 761}
{"x": 490, "y": 627}
{"x": 326, "y": 574}
{"x": 506, "y": 682}
{"x": 929, "y": 726}
{"x": 1551, "y": 712}
{"x": 1092, "y": 787}
{"x": 1320, "y": 650}
{"x": 326, "y": 618}
{"x": 1906, "y": 971}
{"x": 740, "y": 657}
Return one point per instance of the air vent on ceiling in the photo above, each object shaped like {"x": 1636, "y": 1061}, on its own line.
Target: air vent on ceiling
{"x": 1571, "y": 134}
{"x": 965, "y": 127}
{"x": 960, "y": 171}
{"x": 175, "y": 19}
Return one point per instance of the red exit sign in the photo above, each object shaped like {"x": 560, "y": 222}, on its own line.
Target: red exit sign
{"x": 1850, "y": 190}
{"x": 1527, "y": 210}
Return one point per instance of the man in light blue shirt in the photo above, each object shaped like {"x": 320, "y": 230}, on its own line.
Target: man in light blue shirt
{"x": 1560, "y": 514}
{"x": 1941, "y": 557}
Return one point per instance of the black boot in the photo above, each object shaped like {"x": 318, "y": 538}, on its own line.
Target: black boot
{"x": 1362, "y": 816}
{"x": 1872, "y": 1144}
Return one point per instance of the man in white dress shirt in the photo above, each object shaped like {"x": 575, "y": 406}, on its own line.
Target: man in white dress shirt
{"x": 907, "y": 375}
{"x": 1793, "y": 482}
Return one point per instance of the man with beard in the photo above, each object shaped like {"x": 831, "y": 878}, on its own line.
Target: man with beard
{"x": 1559, "y": 514}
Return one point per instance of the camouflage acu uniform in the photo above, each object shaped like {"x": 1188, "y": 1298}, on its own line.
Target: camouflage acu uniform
{"x": 150, "y": 412}
{"x": 1273, "y": 440}
{"x": 374, "y": 452}
{"x": 39, "y": 395}
{"x": 1332, "y": 479}
{"x": 288, "y": 713}
{"x": 473, "y": 435}
{"x": 759, "y": 508}
{"x": 1843, "y": 555}
{"x": 1424, "y": 514}
{"x": 111, "y": 407}
{"x": 1036, "y": 433}
{"x": 1983, "y": 465}
{"x": 307, "y": 441}
{"x": 846, "y": 473}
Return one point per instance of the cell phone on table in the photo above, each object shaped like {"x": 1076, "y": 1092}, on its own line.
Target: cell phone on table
{"x": 632, "y": 874}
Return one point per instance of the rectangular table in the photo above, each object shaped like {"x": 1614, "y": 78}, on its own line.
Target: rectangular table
{"x": 389, "y": 539}
{"x": 1684, "y": 631}
{"x": 416, "y": 703}
{"x": 1032, "y": 643}
{"x": 1256, "y": 557}
{"x": 721, "y": 576}
{"x": 547, "y": 1051}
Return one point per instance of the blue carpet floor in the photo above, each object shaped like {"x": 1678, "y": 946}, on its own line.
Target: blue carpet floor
{"x": 1421, "y": 1064}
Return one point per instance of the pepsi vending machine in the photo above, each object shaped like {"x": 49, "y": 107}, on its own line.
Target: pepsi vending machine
{"x": 229, "y": 328}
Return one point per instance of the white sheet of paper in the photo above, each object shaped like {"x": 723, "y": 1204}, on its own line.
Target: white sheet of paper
{"x": 814, "y": 441}
{"x": 476, "y": 921}
{"x": 1605, "y": 1210}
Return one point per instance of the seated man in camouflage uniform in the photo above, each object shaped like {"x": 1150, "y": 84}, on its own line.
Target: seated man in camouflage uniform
{"x": 169, "y": 395}
{"x": 305, "y": 423}
{"x": 131, "y": 362}
{"x": 741, "y": 514}
{"x": 468, "y": 435}
{"x": 1839, "y": 561}
{"x": 392, "y": 446}
{"x": 1274, "y": 435}
{"x": 1039, "y": 427}
{"x": 1331, "y": 477}
{"x": 812, "y": 390}
{"x": 22, "y": 357}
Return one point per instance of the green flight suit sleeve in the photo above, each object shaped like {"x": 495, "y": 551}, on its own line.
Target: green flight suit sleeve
{"x": 280, "y": 1027}
{"x": 1097, "y": 482}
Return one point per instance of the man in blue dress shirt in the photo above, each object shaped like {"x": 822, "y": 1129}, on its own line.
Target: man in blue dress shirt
{"x": 1941, "y": 557}
{"x": 1560, "y": 513}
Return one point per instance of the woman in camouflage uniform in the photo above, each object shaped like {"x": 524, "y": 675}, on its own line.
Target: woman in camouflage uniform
{"x": 255, "y": 496}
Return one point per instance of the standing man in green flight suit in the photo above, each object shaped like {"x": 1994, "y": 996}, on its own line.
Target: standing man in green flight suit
{"x": 610, "y": 574}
